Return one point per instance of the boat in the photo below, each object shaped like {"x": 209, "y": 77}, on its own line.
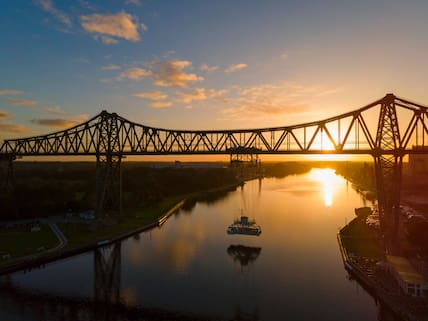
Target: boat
{"x": 244, "y": 226}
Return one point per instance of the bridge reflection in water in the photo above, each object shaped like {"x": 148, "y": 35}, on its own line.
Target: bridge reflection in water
{"x": 107, "y": 303}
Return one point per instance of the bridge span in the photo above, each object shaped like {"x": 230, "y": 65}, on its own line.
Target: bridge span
{"x": 387, "y": 129}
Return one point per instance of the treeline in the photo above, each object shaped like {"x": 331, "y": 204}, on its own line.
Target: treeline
{"x": 43, "y": 189}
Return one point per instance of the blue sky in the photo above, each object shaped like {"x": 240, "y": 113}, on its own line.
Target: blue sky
{"x": 205, "y": 64}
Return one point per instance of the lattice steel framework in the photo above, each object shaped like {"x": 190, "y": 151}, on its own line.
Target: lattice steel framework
{"x": 109, "y": 172}
{"x": 402, "y": 125}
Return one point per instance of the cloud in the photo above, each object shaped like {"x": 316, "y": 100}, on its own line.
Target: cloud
{"x": 86, "y": 5}
{"x": 161, "y": 104}
{"x": 217, "y": 94}
{"x": 197, "y": 94}
{"x": 9, "y": 127}
{"x": 4, "y": 115}
{"x": 22, "y": 102}
{"x": 10, "y": 92}
{"x": 58, "y": 123}
{"x": 67, "y": 121}
{"x": 267, "y": 100}
{"x": 236, "y": 67}
{"x": 12, "y": 128}
{"x": 172, "y": 74}
{"x": 205, "y": 67}
{"x": 121, "y": 25}
{"x": 48, "y": 6}
{"x": 134, "y": 2}
{"x": 110, "y": 67}
{"x": 54, "y": 110}
{"x": 144, "y": 27}
{"x": 83, "y": 60}
{"x": 109, "y": 40}
{"x": 152, "y": 95}
{"x": 134, "y": 73}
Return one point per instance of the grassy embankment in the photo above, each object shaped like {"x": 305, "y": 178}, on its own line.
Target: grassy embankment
{"x": 79, "y": 234}
{"x": 20, "y": 241}
{"x": 361, "y": 240}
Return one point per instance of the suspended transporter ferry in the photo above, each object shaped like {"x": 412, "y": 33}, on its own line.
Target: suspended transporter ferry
{"x": 244, "y": 226}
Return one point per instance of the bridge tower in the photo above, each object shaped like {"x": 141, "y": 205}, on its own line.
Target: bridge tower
{"x": 109, "y": 171}
{"x": 107, "y": 269}
{"x": 388, "y": 159}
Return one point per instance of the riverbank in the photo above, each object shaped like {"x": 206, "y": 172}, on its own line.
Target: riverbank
{"x": 361, "y": 263}
{"x": 81, "y": 237}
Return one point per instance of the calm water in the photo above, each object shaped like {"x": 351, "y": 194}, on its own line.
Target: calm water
{"x": 292, "y": 271}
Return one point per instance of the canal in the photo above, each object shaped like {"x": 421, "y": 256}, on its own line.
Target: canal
{"x": 191, "y": 266}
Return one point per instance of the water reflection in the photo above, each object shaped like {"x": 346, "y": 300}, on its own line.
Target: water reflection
{"x": 244, "y": 254}
{"x": 329, "y": 180}
{"x": 183, "y": 265}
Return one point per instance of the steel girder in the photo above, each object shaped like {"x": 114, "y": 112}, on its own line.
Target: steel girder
{"x": 349, "y": 133}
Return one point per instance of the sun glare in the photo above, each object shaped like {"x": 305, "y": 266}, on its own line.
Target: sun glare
{"x": 327, "y": 177}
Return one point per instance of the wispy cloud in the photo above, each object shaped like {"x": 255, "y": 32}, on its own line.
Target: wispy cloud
{"x": 82, "y": 60}
{"x": 48, "y": 6}
{"x": 53, "y": 110}
{"x": 54, "y": 122}
{"x": 107, "y": 26}
{"x": 134, "y": 2}
{"x": 67, "y": 120}
{"x": 10, "y": 92}
{"x": 4, "y": 115}
{"x": 13, "y": 128}
{"x": 10, "y": 127}
{"x": 205, "y": 67}
{"x": 236, "y": 67}
{"x": 267, "y": 100}
{"x": 152, "y": 95}
{"x": 161, "y": 104}
{"x": 107, "y": 40}
{"x": 134, "y": 73}
{"x": 22, "y": 102}
{"x": 86, "y": 5}
{"x": 110, "y": 67}
{"x": 172, "y": 73}
{"x": 197, "y": 94}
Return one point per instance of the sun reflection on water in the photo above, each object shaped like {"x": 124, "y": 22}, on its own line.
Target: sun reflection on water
{"x": 328, "y": 178}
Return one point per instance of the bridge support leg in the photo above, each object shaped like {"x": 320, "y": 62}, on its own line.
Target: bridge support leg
{"x": 107, "y": 269}
{"x": 109, "y": 185}
{"x": 247, "y": 165}
{"x": 388, "y": 183}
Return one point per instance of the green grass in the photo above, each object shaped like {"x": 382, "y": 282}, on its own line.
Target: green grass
{"x": 21, "y": 241}
{"x": 79, "y": 234}
{"x": 361, "y": 240}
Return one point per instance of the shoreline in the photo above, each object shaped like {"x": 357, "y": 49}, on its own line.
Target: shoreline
{"x": 34, "y": 261}
{"x": 397, "y": 308}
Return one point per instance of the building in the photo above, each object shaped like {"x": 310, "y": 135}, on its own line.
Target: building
{"x": 410, "y": 281}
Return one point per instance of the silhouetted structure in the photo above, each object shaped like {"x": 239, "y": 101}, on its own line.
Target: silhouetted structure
{"x": 110, "y": 137}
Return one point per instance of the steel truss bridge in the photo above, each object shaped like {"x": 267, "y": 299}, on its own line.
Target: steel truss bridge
{"x": 387, "y": 129}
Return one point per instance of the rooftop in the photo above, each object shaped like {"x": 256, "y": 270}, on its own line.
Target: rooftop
{"x": 406, "y": 271}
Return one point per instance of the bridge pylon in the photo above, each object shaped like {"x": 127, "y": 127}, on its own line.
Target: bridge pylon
{"x": 109, "y": 170}
{"x": 388, "y": 160}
